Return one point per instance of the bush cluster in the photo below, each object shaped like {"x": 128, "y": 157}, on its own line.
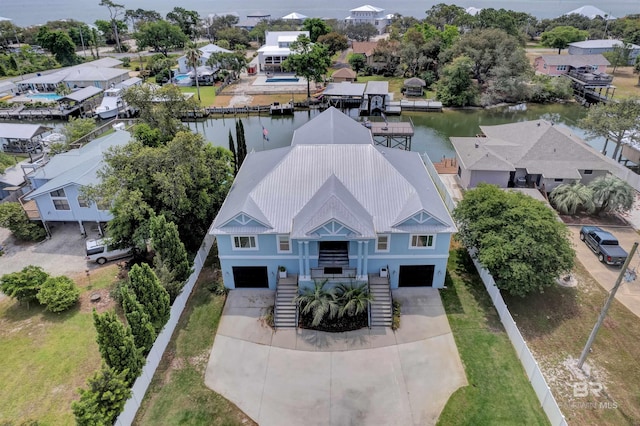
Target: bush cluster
{"x": 32, "y": 283}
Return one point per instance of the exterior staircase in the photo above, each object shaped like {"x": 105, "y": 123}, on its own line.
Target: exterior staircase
{"x": 381, "y": 309}
{"x": 285, "y": 312}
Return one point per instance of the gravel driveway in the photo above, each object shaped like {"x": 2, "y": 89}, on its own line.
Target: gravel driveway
{"x": 63, "y": 254}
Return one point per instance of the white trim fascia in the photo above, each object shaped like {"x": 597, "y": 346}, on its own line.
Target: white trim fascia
{"x": 381, "y": 256}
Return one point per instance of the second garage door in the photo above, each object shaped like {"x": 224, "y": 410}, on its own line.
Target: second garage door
{"x": 250, "y": 276}
{"x": 416, "y": 276}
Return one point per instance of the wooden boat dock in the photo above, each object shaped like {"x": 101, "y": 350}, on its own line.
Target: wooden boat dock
{"x": 277, "y": 108}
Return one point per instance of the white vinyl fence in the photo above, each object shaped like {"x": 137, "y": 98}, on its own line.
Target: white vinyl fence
{"x": 153, "y": 359}
{"x": 539, "y": 384}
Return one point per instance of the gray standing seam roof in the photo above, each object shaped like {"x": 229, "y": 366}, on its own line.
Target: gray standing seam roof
{"x": 350, "y": 180}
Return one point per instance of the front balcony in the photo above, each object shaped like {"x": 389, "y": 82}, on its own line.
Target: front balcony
{"x": 333, "y": 272}
{"x": 591, "y": 79}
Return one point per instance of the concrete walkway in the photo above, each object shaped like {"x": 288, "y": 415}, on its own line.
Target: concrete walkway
{"x": 364, "y": 377}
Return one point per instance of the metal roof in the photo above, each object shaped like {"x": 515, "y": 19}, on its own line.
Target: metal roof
{"x": 20, "y": 131}
{"x": 590, "y": 12}
{"x": 345, "y": 88}
{"x": 79, "y": 166}
{"x": 298, "y": 188}
{"x": 367, "y": 8}
{"x": 294, "y": 16}
{"x": 377, "y": 88}
{"x": 601, "y": 44}
{"x": 82, "y": 94}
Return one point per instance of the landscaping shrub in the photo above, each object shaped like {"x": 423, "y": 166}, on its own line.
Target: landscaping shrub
{"x": 104, "y": 399}
{"x": 13, "y": 217}
{"x": 24, "y": 285}
{"x": 58, "y": 294}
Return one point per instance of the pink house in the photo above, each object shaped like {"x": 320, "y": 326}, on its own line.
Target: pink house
{"x": 561, "y": 64}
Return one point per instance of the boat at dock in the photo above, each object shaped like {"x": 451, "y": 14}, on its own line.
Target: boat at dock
{"x": 112, "y": 103}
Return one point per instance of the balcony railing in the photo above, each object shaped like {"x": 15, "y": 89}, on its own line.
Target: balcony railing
{"x": 593, "y": 79}
{"x": 332, "y": 272}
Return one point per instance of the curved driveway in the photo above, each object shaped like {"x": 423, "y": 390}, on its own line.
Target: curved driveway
{"x": 364, "y": 377}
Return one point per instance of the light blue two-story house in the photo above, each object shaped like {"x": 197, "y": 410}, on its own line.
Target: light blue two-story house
{"x": 56, "y": 194}
{"x": 333, "y": 206}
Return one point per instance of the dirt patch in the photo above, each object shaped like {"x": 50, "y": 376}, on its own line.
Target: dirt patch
{"x": 105, "y": 302}
{"x": 584, "y": 219}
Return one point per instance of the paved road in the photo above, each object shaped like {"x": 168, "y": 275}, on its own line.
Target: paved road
{"x": 629, "y": 292}
{"x": 364, "y": 377}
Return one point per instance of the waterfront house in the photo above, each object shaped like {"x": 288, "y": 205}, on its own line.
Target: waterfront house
{"x": 556, "y": 65}
{"x": 56, "y": 194}
{"x": 333, "y": 206}
{"x": 21, "y": 138}
{"x": 593, "y": 47}
{"x": 534, "y": 154}
{"x": 276, "y": 49}
{"x": 206, "y": 51}
{"x": 368, "y": 14}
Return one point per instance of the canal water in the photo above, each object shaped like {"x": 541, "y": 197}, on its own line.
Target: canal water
{"x": 432, "y": 130}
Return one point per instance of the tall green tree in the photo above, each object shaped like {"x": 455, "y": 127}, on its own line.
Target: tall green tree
{"x": 188, "y": 21}
{"x": 185, "y": 180}
{"x": 616, "y": 121}
{"x": 518, "y": 239}
{"x": 232, "y": 148}
{"x": 560, "y": 37}
{"x": 612, "y": 194}
{"x": 14, "y": 218}
{"x": 442, "y": 14}
{"x": 308, "y": 60}
{"x": 317, "y": 27}
{"x": 58, "y": 294}
{"x": 193, "y": 55}
{"x": 117, "y": 346}
{"x": 242, "y": 143}
{"x": 357, "y": 62}
{"x": 161, "y": 36}
{"x": 165, "y": 240}
{"x": 138, "y": 320}
{"x": 619, "y": 56}
{"x": 455, "y": 87}
{"x": 153, "y": 297}
{"x": 569, "y": 198}
{"x": 116, "y": 11}
{"x": 60, "y": 44}
{"x": 106, "y": 394}
{"x": 25, "y": 284}
{"x": 334, "y": 41}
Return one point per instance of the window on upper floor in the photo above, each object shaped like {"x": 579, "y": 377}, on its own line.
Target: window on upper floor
{"x": 422, "y": 241}
{"x": 588, "y": 172}
{"x": 83, "y": 202}
{"x": 284, "y": 244}
{"x": 382, "y": 243}
{"x": 245, "y": 242}
{"x": 61, "y": 204}
{"x": 58, "y": 193}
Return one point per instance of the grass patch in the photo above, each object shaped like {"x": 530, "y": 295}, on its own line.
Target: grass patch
{"x": 498, "y": 391}
{"x": 47, "y": 356}
{"x": 626, "y": 82}
{"x": 207, "y": 94}
{"x": 556, "y": 325}
{"x": 177, "y": 394}
{"x": 395, "y": 83}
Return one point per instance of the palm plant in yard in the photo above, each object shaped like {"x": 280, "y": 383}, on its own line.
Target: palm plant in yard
{"x": 353, "y": 299}
{"x": 318, "y": 301}
{"x": 612, "y": 194}
{"x": 568, "y": 198}
{"x": 193, "y": 55}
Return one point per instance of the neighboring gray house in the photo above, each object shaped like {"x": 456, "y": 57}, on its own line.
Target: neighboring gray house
{"x": 592, "y": 47}
{"x": 56, "y": 194}
{"x": 535, "y": 154}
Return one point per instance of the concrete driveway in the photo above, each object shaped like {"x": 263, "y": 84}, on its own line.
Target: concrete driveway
{"x": 629, "y": 292}
{"x": 63, "y": 254}
{"x": 364, "y": 377}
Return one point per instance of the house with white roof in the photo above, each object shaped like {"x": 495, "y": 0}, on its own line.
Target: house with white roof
{"x": 57, "y": 184}
{"x": 206, "y": 51}
{"x": 368, "y": 14}
{"x": 591, "y": 12}
{"x": 276, "y": 49}
{"x": 333, "y": 206}
{"x": 535, "y": 154}
{"x": 598, "y": 47}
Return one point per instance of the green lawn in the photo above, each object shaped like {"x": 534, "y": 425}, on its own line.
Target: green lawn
{"x": 498, "y": 392}
{"x": 207, "y": 94}
{"x": 46, "y": 357}
{"x": 177, "y": 395}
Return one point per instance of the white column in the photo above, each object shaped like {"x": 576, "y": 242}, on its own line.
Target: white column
{"x": 365, "y": 256}
{"x": 300, "y": 259}
{"x": 307, "y": 271}
{"x": 359, "y": 263}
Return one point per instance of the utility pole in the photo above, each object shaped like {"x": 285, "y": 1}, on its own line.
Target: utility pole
{"x": 605, "y": 308}
{"x": 82, "y": 41}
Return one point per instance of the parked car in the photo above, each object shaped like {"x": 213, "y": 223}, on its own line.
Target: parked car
{"x": 99, "y": 251}
{"x": 604, "y": 245}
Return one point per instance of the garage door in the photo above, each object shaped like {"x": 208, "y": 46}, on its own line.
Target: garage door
{"x": 250, "y": 276}
{"x": 416, "y": 276}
